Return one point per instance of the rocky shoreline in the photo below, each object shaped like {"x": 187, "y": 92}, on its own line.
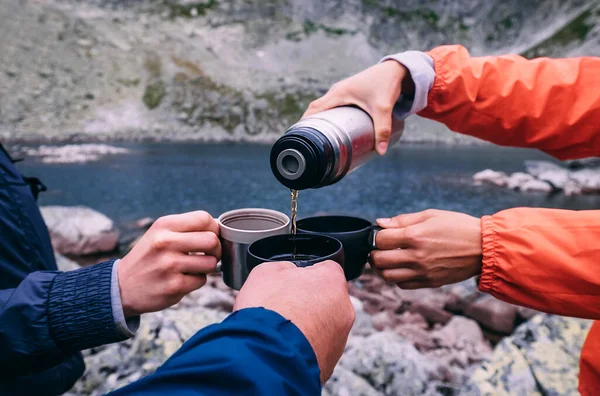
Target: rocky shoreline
{"x": 447, "y": 341}
{"x": 577, "y": 177}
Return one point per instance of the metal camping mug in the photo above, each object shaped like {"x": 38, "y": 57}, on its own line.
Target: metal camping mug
{"x": 240, "y": 228}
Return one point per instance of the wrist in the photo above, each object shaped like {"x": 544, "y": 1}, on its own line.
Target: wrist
{"x": 404, "y": 78}
{"x": 128, "y": 310}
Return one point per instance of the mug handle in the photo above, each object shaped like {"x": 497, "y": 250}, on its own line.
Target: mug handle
{"x": 372, "y": 235}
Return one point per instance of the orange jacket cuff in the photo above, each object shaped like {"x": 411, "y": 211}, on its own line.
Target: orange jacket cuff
{"x": 488, "y": 247}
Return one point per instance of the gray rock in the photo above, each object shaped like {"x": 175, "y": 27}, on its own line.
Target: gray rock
{"x": 160, "y": 334}
{"x": 490, "y": 176}
{"x": 344, "y": 382}
{"x": 389, "y": 363}
{"x": 592, "y": 162}
{"x": 79, "y": 230}
{"x": 64, "y": 264}
{"x": 541, "y": 358}
{"x": 588, "y": 179}
{"x": 536, "y": 168}
{"x": 558, "y": 179}
{"x": 363, "y": 324}
{"x": 536, "y": 186}
{"x": 517, "y": 179}
{"x": 492, "y": 313}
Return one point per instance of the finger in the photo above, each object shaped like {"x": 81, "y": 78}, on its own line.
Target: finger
{"x": 400, "y": 275}
{"x": 205, "y": 242}
{"x": 412, "y": 285}
{"x": 188, "y": 222}
{"x": 382, "y": 120}
{"x": 398, "y": 258}
{"x": 404, "y": 220}
{"x": 189, "y": 283}
{"x": 195, "y": 264}
{"x": 329, "y": 101}
{"x": 393, "y": 238}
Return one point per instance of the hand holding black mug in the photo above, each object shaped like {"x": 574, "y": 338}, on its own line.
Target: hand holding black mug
{"x": 357, "y": 236}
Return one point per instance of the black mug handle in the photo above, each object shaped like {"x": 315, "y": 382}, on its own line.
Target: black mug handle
{"x": 372, "y": 235}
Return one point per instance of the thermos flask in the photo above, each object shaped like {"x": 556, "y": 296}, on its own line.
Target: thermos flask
{"x": 321, "y": 149}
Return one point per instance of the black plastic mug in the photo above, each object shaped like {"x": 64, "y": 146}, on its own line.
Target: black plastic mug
{"x": 308, "y": 249}
{"x": 357, "y": 235}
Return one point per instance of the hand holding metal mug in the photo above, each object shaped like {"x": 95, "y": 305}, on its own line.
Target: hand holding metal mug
{"x": 160, "y": 270}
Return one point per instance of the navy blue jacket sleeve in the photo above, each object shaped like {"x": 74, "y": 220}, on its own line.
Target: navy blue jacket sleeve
{"x": 253, "y": 352}
{"x": 50, "y": 315}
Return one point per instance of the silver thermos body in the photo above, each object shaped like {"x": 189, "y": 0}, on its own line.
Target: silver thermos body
{"x": 321, "y": 149}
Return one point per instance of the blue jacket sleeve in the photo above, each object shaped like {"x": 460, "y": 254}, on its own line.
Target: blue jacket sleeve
{"x": 253, "y": 352}
{"x": 50, "y": 315}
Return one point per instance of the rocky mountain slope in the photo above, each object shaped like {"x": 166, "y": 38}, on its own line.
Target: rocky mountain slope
{"x": 238, "y": 70}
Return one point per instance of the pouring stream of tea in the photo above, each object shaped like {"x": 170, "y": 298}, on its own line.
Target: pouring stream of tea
{"x": 294, "y": 209}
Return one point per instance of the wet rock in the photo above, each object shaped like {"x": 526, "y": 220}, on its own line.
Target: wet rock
{"x": 517, "y": 179}
{"x": 73, "y": 153}
{"x": 493, "y": 314}
{"x": 490, "y": 176}
{"x": 64, "y": 264}
{"x": 536, "y": 186}
{"x": 558, "y": 179}
{"x": 592, "y": 162}
{"x": 541, "y": 358}
{"x": 587, "y": 179}
{"x": 536, "y": 168}
{"x": 79, "y": 230}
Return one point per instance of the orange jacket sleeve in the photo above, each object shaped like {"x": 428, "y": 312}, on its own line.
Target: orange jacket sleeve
{"x": 549, "y": 104}
{"x": 545, "y": 259}
{"x": 541, "y": 258}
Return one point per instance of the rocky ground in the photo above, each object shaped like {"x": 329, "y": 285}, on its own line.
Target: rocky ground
{"x": 447, "y": 341}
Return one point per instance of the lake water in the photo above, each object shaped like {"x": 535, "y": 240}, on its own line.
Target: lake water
{"x": 158, "y": 179}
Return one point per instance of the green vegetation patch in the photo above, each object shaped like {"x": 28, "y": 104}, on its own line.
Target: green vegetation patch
{"x": 575, "y": 31}
{"x": 154, "y": 94}
{"x": 187, "y": 10}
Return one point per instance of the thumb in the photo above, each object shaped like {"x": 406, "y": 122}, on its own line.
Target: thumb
{"x": 382, "y": 120}
{"x": 403, "y": 220}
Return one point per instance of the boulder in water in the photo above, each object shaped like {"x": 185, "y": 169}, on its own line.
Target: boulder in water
{"x": 558, "y": 179}
{"x": 517, "y": 179}
{"x": 536, "y": 186}
{"x": 490, "y": 176}
{"x": 587, "y": 179}
{"x": 78, "y": 230}
{"x": 536, "y": 168}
